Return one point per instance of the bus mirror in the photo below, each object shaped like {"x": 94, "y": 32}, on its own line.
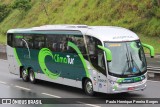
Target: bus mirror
{"x": 150, "y": 48}
{"x": 108, "y": 53}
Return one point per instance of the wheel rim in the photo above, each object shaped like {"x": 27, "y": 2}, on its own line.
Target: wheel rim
{"x": 24, "y": 74}
{"x": 89, "y": 87}
{"x": 31, "y": 76}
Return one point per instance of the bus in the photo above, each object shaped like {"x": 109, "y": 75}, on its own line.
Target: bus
{"x": 104, "y": 59}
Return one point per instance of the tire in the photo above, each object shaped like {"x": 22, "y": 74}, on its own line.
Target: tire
{"x": 24, "y": 75}
{"x": 88, "y": 87}
{"x": 32, "y": 78}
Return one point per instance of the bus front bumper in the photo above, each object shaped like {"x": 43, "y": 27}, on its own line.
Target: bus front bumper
{"x": 119, "y": 88}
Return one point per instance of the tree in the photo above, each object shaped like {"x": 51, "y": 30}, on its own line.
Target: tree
{"x": 22, "y": 5}
{"x": 44, "y": 7}
{"x": 4, "y": 11}
{"x": 158, "y": 2}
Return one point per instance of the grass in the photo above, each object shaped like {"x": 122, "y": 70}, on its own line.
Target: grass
{"x": 3, "y": 40}
{"x": 142, "y": 17}
{"x": 154, "y": 41}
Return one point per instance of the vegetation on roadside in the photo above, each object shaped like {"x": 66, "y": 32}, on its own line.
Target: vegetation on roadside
{"x": 140, "y": 16}
{"x": 4, "y": 11}
{"x": 22, "y": 5}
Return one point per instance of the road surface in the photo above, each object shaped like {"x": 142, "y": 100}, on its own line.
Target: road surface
{"x": 154, "y": 62}
{"x": 11, "y": 86}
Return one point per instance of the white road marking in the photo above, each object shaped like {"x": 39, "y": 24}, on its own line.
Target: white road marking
{"x": 51, "y": 95}
{"x": 3, "y": 60}
{"x": 153, "y": 81}
{"x": 88, "y": 104}
{"x": 22, "y": 88}
{"x": 3, "y": 82}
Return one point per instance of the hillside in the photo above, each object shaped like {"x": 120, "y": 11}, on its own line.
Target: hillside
{"x": 140, "y": 16}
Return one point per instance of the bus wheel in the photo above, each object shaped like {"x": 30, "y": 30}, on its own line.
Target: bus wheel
{"x": 88, "y": 87}
{"x": 32, "y": 76}
{"x": 24, "y": 74}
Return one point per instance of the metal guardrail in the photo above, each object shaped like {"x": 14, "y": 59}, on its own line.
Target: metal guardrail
{"x": 153, "y": 69}
{"x": 153, "y": 73}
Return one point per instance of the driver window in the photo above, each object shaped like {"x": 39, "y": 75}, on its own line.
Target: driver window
{"x": 96, "y": 55}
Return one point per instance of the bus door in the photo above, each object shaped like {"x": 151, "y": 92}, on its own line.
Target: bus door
{"x": 102, "y": 78}
{"x": 97, "y": 60}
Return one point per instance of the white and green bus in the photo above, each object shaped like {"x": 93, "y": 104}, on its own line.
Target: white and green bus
{"x": 103, "y": 59}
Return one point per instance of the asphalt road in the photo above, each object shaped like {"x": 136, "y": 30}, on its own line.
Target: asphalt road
{"x": 11, "y": 86}
{"x": 154, "y": 62}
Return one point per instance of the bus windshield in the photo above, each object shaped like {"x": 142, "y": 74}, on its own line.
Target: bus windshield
{"x": 128, "y": 59}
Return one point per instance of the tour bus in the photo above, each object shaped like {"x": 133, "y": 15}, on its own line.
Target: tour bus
{"x": 103, "y": 59}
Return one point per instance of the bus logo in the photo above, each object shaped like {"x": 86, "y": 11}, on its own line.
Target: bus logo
{"x": 56, "y": 57}
{"x": 66, "y": 60}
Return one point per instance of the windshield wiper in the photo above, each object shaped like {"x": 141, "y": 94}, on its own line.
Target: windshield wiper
{"x": 128, "y": 63}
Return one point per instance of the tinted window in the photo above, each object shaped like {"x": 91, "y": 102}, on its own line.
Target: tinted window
{"x": 79, "y": 41}
{"x": 18, "y": 40}
{"x": 39, "y": 41}
{"x": 58, "y": 43}
{"x": 9, "y": 39}
{"x": 28, "y": 41}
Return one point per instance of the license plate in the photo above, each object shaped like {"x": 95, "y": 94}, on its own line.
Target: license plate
{"x": 131, "y": 88}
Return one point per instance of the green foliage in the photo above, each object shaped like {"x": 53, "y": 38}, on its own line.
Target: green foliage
{"x": 156, "y": 2}
{"x": 140, "y": 16}
{"x": 22, "y": 5}
{"x": 4, "y": 11}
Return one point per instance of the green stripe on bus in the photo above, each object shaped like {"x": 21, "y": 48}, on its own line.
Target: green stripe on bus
{"x": 19, "y": 37}
{"x": 81, "y": 57}
{"x": 17, "y": 58}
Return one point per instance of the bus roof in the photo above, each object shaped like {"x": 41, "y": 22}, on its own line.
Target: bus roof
{"x": 104, "y": 33}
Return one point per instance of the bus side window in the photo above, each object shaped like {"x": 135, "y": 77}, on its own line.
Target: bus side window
{"x": 52, "y": 42}
{"x": 9, "y": 39}
{"x": 81, "y": 45}
{"x": 61, "y": 43}
{"x": 79, "y": 42}
{"x": 69, "y": 38}
{"x": 39, "y": 41}
{"x": 96, "y": 55}
{"x": 28, "y": 40}
{"x": 17, "y": 41}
